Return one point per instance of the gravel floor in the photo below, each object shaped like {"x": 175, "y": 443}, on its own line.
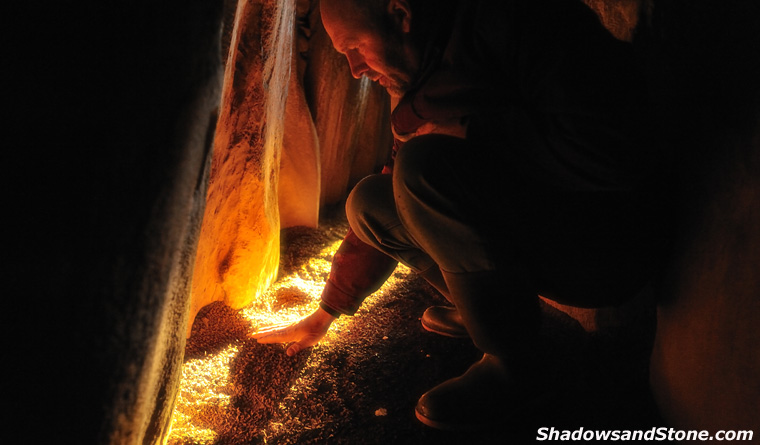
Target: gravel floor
{"x": 361, "y": 385}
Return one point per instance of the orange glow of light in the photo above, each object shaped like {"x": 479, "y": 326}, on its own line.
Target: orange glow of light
{"x": 205, "y": 388}
{"x": 203, "y": 396}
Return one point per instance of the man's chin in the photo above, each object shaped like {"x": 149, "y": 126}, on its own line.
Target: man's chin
{"x": 393, "y": 90}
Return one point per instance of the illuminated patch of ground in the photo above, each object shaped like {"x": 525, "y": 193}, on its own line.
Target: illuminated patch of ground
{"x": 234, "y": 390}
{"x": 360, "y": 385}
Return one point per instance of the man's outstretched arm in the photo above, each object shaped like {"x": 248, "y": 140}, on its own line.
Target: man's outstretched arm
{"x": 357, "y": 271}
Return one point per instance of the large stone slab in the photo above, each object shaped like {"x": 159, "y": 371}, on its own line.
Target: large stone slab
{"x": 352, "y": 118}
{"x": 238, "y": 252}
{"x": 706, "y": 360}
{"x": 111, "y": 130}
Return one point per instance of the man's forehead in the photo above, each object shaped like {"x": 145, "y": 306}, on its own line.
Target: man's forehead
{"x": 337, "y": 10}
{"x": 341, "y": 21}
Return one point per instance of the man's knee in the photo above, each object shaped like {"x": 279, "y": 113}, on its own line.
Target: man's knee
{"x": 367, "y": 200}
{"x": 426, "y": 161}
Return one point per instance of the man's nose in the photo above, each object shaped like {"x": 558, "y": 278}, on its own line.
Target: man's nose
{"x": 357, "y": 64}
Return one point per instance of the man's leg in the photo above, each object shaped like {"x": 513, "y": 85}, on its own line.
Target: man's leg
{"x": 454, "y": 201}
{"x": 371, "y": 211}
{"x": 441, "y": 211}
{"x": 455, "y": 207}
{"x": 492, "y": 234}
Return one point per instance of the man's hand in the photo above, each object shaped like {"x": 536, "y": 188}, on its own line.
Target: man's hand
{"x": 304, "y": 333}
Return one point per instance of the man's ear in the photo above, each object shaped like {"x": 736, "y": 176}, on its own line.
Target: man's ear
{"x": 401, "y": 14}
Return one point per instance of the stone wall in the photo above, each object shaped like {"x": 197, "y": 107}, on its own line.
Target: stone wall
{"x": 705, "y": 72}
{"x": 701, "y": 62}
{"x": 352, "y": 117}
{"x": 620, "y": 17}
{"x": 110, "y": 115}
{"x": 238, "y": 252}
{"x": 295, "y": 132}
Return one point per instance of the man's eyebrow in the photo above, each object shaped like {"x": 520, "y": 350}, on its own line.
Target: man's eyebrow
{"x": 343, "y": 43}
{"x": 344, "y": 49}
{"x": 343, "y": 46}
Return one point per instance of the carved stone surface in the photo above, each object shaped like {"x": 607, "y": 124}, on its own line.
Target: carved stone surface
{"x": 352, "y": 117}
{"x": 274, "y": 166}
{"x": 238, "y": 253}
{"x": 300, "y": 179}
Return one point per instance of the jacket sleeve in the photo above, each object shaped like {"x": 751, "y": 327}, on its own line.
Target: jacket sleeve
{"x": 357, "y": 269}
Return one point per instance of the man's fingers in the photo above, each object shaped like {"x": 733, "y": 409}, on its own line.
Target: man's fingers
{"x": 301, "y": 335}
{"x": 299, "y": 346}
{"x": 272, "y": 328}
{"x": 294, "y": 349}
{"x": 274, "y": 334}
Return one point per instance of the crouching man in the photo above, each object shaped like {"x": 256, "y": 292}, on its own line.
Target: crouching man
{"x": 522, "y": 165}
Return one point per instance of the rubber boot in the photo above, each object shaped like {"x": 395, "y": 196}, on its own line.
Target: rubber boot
{"x": 502, "y": 321}
{"x": 481, "y": 398}
{"x": 442, "y": 320}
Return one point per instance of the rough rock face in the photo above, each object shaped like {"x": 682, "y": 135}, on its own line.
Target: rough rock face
{"x": 111, "y": 132}
{"x": 703, "y": 72}
{"x": 238, "y": 251}
{"x": 620, "y": 17}
{"x": 274, "y": 165}
{"x": 704, "y": 66}
{"x": 352, "y": 117}
{"x": 300, "y": 178}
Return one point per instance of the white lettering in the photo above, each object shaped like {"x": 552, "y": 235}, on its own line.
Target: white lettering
{"x": 604, "y": 435}
{"x": 655, "y": 433}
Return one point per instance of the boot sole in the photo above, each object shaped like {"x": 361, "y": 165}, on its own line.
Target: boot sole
{"x": 445, "y": 334}
{"x": 447, "y": 426}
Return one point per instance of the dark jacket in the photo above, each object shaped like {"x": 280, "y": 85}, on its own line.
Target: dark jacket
{"x": 544, "y": 78}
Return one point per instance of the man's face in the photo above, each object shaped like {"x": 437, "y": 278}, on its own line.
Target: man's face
{"x": 377, "y": 53}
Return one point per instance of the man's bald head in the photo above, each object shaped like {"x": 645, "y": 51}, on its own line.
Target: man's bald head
{"x": 374, "y": 37}
{"x": 371, "y": 12}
